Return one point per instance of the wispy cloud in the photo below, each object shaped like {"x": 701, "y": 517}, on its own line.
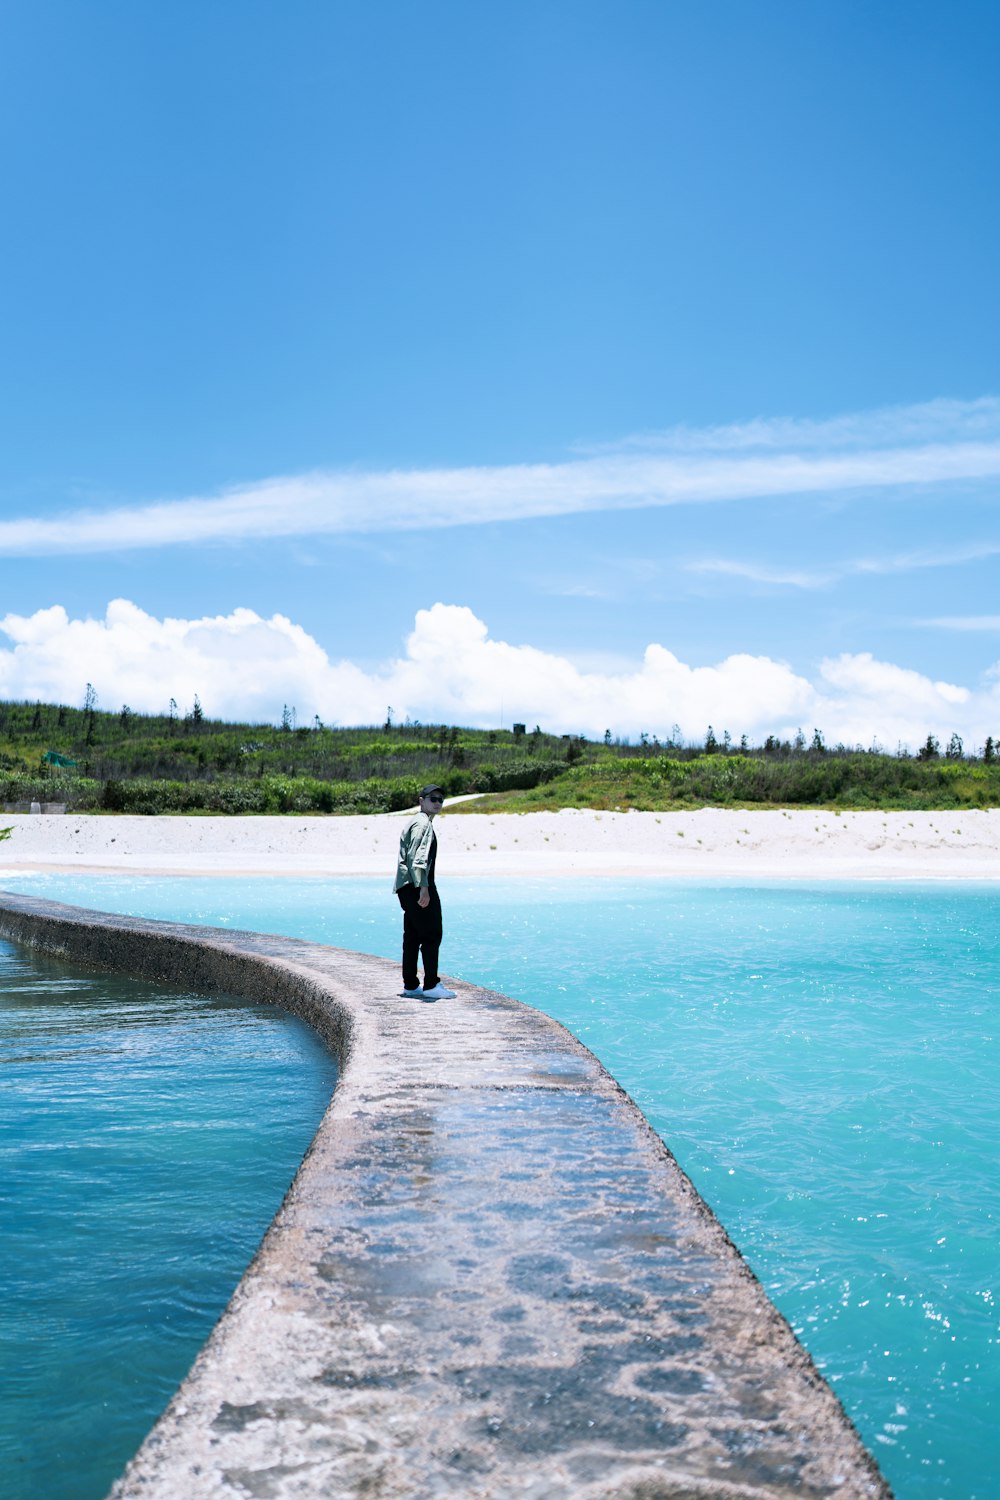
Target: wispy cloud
{"x": 940, "y": 421}
{"x": 578, "y": 591}
{"x": 940, "y": 443}
{"x": 906, "y": 562}
{"x": 964, "y": 622}
{"x": 819, "y": 578}
{"x": 798, "y": 578}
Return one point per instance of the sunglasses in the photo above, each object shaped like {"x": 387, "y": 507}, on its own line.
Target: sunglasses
{"x": 433, "y": 799}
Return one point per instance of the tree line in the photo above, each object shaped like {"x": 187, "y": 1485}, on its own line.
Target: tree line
{"x": 93, "y": 759}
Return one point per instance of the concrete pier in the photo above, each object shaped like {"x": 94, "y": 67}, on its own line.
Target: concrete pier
{"x": 490, "y": 1279}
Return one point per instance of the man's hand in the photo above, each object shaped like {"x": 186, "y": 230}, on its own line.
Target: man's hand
{"x": 424, "y": 899}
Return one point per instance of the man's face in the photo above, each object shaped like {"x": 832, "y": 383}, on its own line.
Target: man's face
{"x": 431, "y": 804}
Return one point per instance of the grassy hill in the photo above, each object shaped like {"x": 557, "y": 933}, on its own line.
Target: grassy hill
{"x": 142, "y": 763}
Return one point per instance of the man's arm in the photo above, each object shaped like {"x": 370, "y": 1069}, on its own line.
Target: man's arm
{"x": 421, "y": 859}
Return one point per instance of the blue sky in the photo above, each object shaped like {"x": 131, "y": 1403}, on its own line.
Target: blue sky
{"x": 594, "y": 365}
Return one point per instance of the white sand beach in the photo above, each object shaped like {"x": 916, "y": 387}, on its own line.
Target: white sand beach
{"x": 708, "y": 842}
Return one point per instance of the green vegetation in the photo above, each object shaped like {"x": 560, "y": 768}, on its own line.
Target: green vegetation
{"x": 841, "y": 779}
{"x": 172, "y": 763}
{"x": 139, "y": 763}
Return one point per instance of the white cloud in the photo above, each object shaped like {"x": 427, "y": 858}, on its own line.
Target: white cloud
{"x": 805, "y": 578}
{"x": 869, "y": 699}
{"x": 938, "y": 443}
{"x": 243, "y": 666}
{"x": 576, "y": 591}
{"x": 240, "y": 665}
{"x": 906, "y": 562}
{"x": 965, "y": 622}
{"x": 942, "y": 420}
{"x": 799, "y": 578}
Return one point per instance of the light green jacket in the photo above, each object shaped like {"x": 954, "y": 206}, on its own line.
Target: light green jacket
{"x": 414, "y": 851}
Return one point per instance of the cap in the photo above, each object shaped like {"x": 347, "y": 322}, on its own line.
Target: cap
{"x": 425, "y": 791}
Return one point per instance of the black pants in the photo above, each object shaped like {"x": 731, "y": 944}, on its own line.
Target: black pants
{"x": 422, "y": 931}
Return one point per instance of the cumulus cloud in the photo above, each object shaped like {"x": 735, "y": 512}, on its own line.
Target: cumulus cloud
{"x": 240, "y": 665}
{"x": 938, "y": 443}
{"x": 451, "y": 670}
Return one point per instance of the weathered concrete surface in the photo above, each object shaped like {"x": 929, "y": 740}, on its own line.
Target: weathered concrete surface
{"x": 489, "y": 1278}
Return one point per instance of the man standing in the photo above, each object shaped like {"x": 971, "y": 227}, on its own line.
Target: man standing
{"x": 419, "y": 899}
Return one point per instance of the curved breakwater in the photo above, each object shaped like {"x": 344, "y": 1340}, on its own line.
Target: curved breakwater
{"x": 489, "y": 1277}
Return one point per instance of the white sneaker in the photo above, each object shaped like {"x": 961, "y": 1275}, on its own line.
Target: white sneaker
{"x": 439, "y": 992}
{"x": 416, "y": 994}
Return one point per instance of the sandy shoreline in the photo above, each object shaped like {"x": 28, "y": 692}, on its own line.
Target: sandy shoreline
{"x": 708, "y": 842}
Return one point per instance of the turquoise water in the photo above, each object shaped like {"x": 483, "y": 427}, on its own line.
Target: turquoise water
{"x": 821, "y": 1059}
{"x": 147, "y": 1137}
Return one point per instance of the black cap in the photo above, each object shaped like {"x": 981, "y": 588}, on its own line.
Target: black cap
{"x": 425, "y": 791}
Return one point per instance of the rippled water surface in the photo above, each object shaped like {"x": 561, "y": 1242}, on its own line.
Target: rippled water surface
{"x": 147, "y": 1137}
{"x": 821, "y": 1058}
